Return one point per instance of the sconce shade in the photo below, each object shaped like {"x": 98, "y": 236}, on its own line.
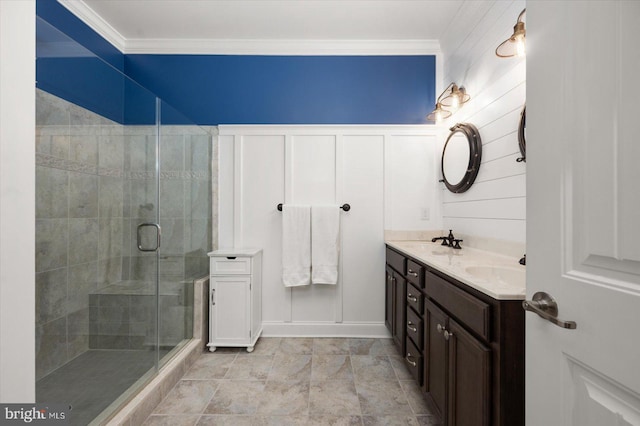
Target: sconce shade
{"x": 456, "y": 97}
{"x": 514, "y": 45}
{"x": 438, "y": 114}
{"x": 453, "y": 97}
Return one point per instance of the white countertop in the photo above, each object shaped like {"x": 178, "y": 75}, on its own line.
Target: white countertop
{"x": 495, "y": 275}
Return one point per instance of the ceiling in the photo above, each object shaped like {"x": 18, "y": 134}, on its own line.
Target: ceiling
{"x": 143, "y": 24}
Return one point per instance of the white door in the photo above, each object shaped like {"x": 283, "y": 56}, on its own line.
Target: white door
{"x": 583, "y": 211}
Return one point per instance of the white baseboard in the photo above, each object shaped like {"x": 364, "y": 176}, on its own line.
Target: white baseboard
{"x": 322, "y": 329}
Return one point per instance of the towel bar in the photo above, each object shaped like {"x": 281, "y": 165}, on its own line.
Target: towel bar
{"x": 345, "y": 207}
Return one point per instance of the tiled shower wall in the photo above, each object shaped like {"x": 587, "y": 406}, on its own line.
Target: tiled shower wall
{"x": 79, "y": 223}
{"x": 94, "y": 184}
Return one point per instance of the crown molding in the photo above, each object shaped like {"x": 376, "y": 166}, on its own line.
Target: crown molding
{"x": 95, "y": 22}
{"x": 247, "y": 46}
{"x": 281, "y": 47}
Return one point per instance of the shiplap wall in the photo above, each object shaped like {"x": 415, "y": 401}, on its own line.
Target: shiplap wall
{"x": 495, "y": 205}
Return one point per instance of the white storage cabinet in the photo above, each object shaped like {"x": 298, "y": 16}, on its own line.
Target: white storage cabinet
{"x": 235, "y": 298}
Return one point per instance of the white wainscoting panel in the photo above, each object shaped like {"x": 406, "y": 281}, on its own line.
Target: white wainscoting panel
{"x": 363, "y": 256}
{"x": 313, "y": 182}
{"x": 412, "y": 174}
{"x": 262, "y": 182}
{"x": 378, "y": 170}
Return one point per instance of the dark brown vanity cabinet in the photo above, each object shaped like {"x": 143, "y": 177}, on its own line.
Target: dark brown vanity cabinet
{"x": 395, "y": 312}
{"x": 465, "y": 349}
{"x": 459, "y": 371}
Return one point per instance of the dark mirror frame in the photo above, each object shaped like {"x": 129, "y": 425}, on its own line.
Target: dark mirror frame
{"x": 521, "y": 135}
{"x": 475, "y": 155}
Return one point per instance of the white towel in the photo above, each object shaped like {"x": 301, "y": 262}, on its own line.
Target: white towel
{"x": 296, "y": 245}
{"x": 325, "y": 245}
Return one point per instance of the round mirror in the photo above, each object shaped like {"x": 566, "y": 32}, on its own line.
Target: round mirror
{"x": 461, "y": 157}
{"x": 522, "y": 133}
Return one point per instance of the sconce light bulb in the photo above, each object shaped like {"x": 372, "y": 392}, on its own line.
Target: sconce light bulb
{"x": 455, "y": 101}
{"x": 438, "y": 116}
{"x": 520, "y": 46}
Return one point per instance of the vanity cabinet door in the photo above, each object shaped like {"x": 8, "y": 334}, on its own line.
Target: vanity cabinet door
{"x": 469, "y": 379}
{"x": 400, "y": 312}
{"x": 388, "y": 299}
{"x": 435, "y": 359}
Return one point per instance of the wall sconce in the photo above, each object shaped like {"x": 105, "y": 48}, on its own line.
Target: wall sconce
{"x": 452, "y": 97}
{"x": 514, "y": 45}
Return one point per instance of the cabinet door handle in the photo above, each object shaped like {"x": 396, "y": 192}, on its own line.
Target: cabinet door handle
{"x": 213, "y": 292}
{"x": 409, "y": 326}
{"x": 413, "y": 363}
{"x": 412, "y": 298}
{"x": 440, "y": 328}
{"x": 447, "y": 335}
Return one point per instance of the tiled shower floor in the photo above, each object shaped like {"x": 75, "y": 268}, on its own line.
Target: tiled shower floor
{"x": 92, "y": 381}
{"x": 297, "y": 381}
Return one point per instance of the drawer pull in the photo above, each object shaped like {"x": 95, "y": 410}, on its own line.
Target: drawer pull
{"x": 440, "y": 328}
{"x": 231, "y": 257}
{"x": 410, "y": 327}
{"x": 413, "y": 273}
{"x": 412, "y": 298}
{"x": 413, "y": 363}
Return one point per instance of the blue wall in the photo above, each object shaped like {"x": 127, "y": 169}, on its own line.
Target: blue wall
{"x": 216, "y": 89}
{"x": 226, "y": 89}
{"x": 60, "y": 17}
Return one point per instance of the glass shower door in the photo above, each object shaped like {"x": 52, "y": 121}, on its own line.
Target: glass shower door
{"x": 96, "y": 181}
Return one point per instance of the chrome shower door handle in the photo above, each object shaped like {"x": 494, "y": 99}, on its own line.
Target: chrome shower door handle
{"x": 139, "y": 236}
{"x": 546, "y": 307}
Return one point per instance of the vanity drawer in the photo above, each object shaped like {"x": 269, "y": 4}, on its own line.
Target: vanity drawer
{"x": 415, "y": 273}
{"x": 397, "y": 261}
{"x": 413, "y": 361}
{"x": 471, "y": 311}
{"x": 414, "y": 328}
{"x": 415, "y": 299}
{"x": 231, "y": 265}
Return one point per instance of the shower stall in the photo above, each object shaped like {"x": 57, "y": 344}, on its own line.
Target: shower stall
{"x": 123, "y": 227}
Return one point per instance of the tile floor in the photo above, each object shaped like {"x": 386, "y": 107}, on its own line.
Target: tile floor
{"x": 297, "y": 381}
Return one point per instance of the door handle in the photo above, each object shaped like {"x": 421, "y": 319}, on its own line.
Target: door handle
{"x": 139, "y": 234}
{"x": 546, "y": 307}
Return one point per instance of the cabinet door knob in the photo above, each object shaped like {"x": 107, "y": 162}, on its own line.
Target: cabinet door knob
{"x": 447, "y": 335}
{"x": 412, "y": 298}
{"x": 439, "y": 327}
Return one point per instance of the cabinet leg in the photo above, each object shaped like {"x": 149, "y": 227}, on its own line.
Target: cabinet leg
{"x": 250, "y": 349}
{"x": 212, "y": 348}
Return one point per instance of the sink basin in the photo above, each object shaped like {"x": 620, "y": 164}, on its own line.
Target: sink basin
{"x": 498, "y": 274}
